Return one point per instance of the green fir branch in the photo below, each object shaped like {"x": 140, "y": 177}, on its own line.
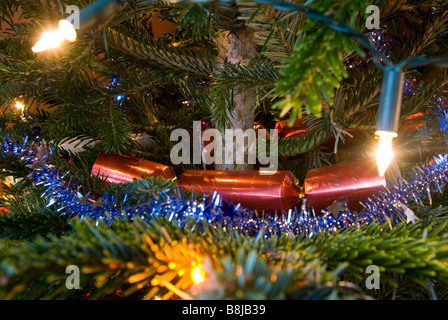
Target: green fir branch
{"x": 182, "y": 60}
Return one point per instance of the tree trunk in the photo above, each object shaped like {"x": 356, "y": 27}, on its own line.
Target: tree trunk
{"x": 237, "y": 48}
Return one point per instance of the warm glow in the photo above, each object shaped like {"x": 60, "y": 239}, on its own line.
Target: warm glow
{"x": 19, "y": 105}
{"x": 53, "y": 39}
{"x": 198, "y": 274}
{"x": 384, "y": 153}
{"x": 172, "y": 265}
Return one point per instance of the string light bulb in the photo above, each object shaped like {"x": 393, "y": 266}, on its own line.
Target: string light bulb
{"x": 55, "y": 38}
{"x": 87, "y": 18}
{"x": 198, "y": 274}
{"x": 384, "y": 152}
{"x": 388, "y": 116}
{"x": 390, "y": 104}
{"x": 20, "y": 106}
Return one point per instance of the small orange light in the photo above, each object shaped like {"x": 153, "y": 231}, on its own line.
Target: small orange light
{"x": 172, "y": 265}
{"x": 20, "y": 106}
{"x": 198, "y": 274}
{"x": 155, "y": 282}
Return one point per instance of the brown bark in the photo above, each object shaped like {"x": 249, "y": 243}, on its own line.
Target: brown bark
{"x": 237, "y": 48}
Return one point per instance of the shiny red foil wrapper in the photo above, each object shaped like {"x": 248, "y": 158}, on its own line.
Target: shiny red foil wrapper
{"x": 297, "y": 129}
{"x": 120, "y": 169}
{"x": 353, "y": 181}
{"x": 250, "y": 188}
{"x": 413, "y": 122}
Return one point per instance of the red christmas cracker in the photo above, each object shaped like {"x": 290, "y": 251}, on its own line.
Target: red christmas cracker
{"x": 120, "y": 169}
{"x": 352, "y": 181}
{"x": 297, "y": 129}
{"x": 253, "y": 190}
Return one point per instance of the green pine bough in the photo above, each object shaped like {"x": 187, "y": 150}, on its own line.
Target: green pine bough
{"x": 315, "y": 70}
{"x": 38, "y": 244}
{"x": 137, "y": 257}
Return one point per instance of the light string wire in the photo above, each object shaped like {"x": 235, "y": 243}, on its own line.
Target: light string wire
{"x": 381, "y": 61}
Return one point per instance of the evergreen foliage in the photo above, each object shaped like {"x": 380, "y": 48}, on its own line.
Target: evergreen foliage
{"x": 169, "y": 82}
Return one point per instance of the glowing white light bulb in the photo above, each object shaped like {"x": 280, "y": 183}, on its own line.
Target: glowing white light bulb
{"x": 20, "y": 106}
{"x": 384, "y": 153}
{"x": 53, "y": 39}
{"x": 198, "y": 274}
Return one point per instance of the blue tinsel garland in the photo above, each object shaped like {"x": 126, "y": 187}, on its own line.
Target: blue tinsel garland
{"x": 389, "y": 205}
